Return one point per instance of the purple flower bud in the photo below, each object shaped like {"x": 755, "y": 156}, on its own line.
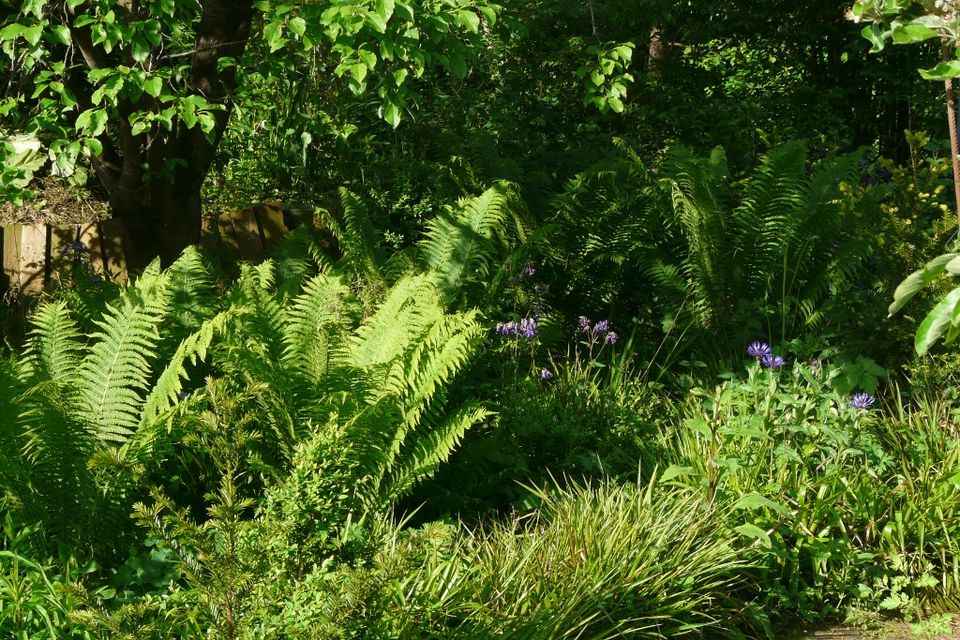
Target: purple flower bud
{"x": 584, "y": 322}
{"x": 862, "y": 400}
{"x": 611, "y": 338}
{"x": 758, "y": 349}
{"x": 771, "y": 361}
{"x": 602, "y": 326}
{"x": 528, "y": 269}
{"x": 545, "y": 374}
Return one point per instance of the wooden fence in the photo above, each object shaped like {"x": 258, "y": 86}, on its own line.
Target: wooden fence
{"x": 41, "y": 255}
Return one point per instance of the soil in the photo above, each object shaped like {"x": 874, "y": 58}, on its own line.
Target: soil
{"x": 890, "y": 631}
{"x": 55, "y": 202}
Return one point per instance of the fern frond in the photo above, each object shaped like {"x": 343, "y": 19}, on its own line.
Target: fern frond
{"x": 325, "y": 304}
{"x": 422, "y": 457}
{"x": 191, "y": 290}
{"x": 53, "y": 349}
{"x": 57, "y": 485}
{"x": 114, "y": 375}
{"x": 410, "y": 307}
{"x": 461, "y": 242}
{"x": 353, "y": 230}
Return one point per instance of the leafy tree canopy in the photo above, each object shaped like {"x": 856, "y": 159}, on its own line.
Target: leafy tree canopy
{"x": 144, "y": 87}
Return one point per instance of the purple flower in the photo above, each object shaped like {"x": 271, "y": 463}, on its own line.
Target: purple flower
{"x": 507, "y": 329}
{"x": 602, "y": 326}
{"x": 527, "y": 328}
{"x": 75, "y": 247}
{"x": 758, "y": 349}
{"x": 545, "y": 374}
{"x": 584, "y": 322}
{"x": 862, "y": 400}
{"x": 771, "y": 361}
{"x": 611, "y": 338}
{"x": 528, "y": 269}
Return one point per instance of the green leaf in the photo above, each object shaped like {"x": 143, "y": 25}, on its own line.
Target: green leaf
{"x": 943, "y": 71}
{"x": 391, "y": 113}
{"x": 33, "y": 34}
{"x": 919, "y": 279}
{"x": 489, "y": 13}
{"x": 753, "y": 531}
{"x": 60, "y": 34}
{"x": 675, "y": 471}
{"x": 153, "y": 86}
{"x": 469, "y": 19}
{"x": 912, "y": 32}
{"x": 937, "y": 322}
{"x": 139, "y": 127}
{"x": 368, "y": 58}
{"x": 874, "y": 34}
{"x": 94, "y": 146}
{"x": 298, "y": 26}
{"x": 756, "y": 501}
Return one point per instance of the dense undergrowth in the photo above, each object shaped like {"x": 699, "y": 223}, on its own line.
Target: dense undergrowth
{"x": 433, "y": 444}
{"x": 546, "y": 362}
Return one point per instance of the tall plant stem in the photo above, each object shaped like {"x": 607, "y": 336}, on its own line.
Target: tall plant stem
{"x": 952, "y": 124}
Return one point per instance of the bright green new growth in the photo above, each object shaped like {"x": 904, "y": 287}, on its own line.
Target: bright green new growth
{"x": 91, "y": 415}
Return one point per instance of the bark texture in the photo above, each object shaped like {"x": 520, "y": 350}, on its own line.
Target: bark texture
{"x": 153, "y": 179}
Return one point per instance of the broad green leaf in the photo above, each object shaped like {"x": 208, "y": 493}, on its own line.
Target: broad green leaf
{"x": 918, "y": 279}
{"x": 910, "y": 33}
{"x": 874, "y": 34}
{"x": 298, "y": 26}
{"x": 756, "y": 501}
{"x": 753, "y": 531}
{"x": 153, "y": 86}
{"x": 943, "y": 71}
{"x": 937, "y": 322}
{"x": 469, "y": 19}
{"x": 391, "y": 113}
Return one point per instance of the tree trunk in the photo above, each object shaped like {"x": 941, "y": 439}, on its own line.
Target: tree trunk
{"x": 658, "y": 52}
{"x": 952, "y": 128}
{"x": 153, "y": 179}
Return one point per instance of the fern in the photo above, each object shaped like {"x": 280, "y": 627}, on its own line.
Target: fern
{"x": 353, "y": 230}
{"x": 461, "y": 242}
{"x": 114, "y": 375}
{"x": 730, "y": 258}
